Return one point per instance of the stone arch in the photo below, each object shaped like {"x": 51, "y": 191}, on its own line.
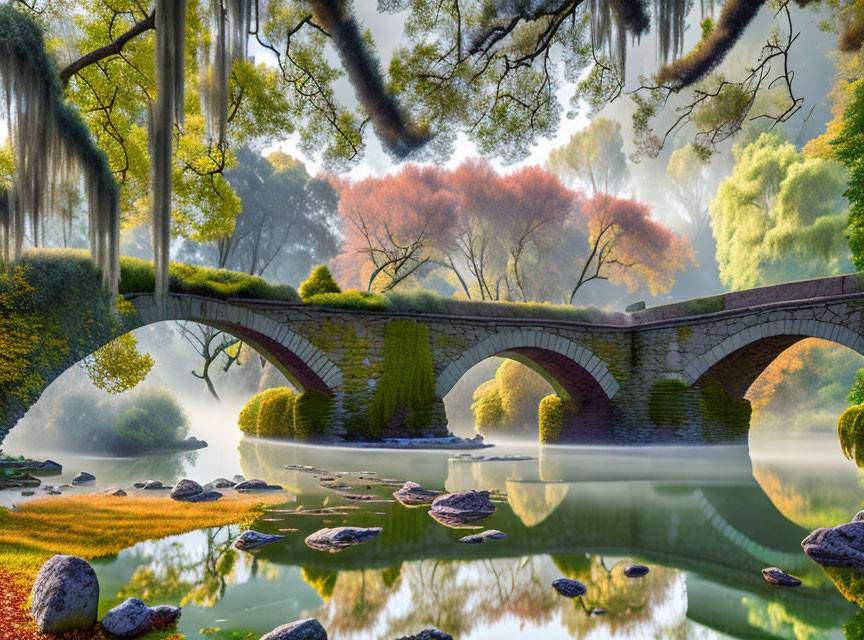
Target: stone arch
{"x": 739, "y": 359}
{"x": 294, "y": 356}
{"x": 574, "y": 372}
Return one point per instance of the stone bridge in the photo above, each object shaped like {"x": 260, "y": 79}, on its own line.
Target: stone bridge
{"x": 675, "y": 373}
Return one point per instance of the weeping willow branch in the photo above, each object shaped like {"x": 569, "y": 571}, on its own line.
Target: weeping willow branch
{"x": 51, "y": 144}
{"x": 112, "y": 49}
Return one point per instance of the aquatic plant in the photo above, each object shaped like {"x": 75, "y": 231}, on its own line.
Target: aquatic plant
{"x": 312, "y": 410}
{"x": 320, "y": 281}
{"x": 850, "y": 429}
{"x": 51, "y": 144}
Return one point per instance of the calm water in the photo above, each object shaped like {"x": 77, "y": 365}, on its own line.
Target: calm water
{"x": 704, "y": 521}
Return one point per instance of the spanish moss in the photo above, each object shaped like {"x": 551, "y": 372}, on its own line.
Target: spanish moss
{"x": 732, "y": 22}
{"x": 52, "y": 146}
{"x": 399, "y": 136}
{"x": 612, "y": 20}
{"x": 669, "y": 24}
{"x": 230, "y": 22}
{"x": 170, "y": 38}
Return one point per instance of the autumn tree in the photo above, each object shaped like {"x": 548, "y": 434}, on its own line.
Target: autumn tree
{"x": 393, "y": 226}
{"x": 593, "y": 158}
{"x": 625, "y": 246}
{"x": 780, "y": 216}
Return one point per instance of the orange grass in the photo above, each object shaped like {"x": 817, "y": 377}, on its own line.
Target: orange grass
{"x": 91, "y": 526}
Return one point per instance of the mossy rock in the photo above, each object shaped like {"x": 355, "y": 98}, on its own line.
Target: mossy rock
{"x": 312, "y": 410}
{"x": 711, "y": 304}
{"x": 667, "y": 405}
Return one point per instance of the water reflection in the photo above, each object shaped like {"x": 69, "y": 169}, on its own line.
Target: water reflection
{"x": 699, "y": 518}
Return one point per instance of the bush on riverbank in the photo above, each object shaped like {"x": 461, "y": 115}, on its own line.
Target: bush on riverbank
{"x": 508, "y": 404}
{"x": 281, "y": 412}
{"x": 276, "y": 414}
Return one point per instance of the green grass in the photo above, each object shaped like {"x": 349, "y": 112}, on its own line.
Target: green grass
{"x": 136, "y": 276}
{"x": 351, "y": 299}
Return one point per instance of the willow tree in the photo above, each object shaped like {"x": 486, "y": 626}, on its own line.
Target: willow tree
{"x": 51, "y": 146}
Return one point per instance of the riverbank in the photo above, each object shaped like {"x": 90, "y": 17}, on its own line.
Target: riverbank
{"x": 93, "y": 526}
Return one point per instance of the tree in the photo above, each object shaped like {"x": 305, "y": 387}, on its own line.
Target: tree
{"x": 593, "y": 158}
{"x": 118, "y": 367}
{"x": 212, "y": 345}
{"x": 320, "y": 280}
{"x": 393, "y": 226}
{"x": 687, "y": 171}
{"x": 779, "y": 216}
{"x": 849, "y": 146}
{"x": 627, "y": 247}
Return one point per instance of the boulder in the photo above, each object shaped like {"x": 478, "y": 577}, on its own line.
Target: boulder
{"x": 128, "y": 619}
{"x": 309, "y": 629}
{"x": 859, "y": 517}
{"x": 83, "y": 478}
{"x": 256, "y": 485}
{"x": 164, "y": 615}
{"x": 340, "y": 538}
{"x": 149, "y": 485}
{"x": 779, "y": 577}
{"x": 238, "y": 478}
{"x": 186, "y": 489}
{"x": 28, "y": 492}
{"x": 47, "y": 466}
{"x": 840, "y": 546}
{"x": 489, "y": 534}
{"x": 464, "y": 505}
{"x": 569, "y": 588}
{"x": 412, "y": 494}
{"x": 205, "y": 496}
{"x": 636, "y": 571}
{"x": 65, "y": 595}
{"x": 220, "y": 483}
{"x": 254, "y": 539}
{"x": 117, "y": 493}
{"x": 428, "y": 634}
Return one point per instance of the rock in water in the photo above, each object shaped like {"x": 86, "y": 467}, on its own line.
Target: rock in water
{"x": 840, "y": 546}
{"x": 636, "y": 571}
{"x": 220, "y": 483}
{"x": 83, "y": 478}
{"x": 569, "y": 588}
{"x": 477, "y": 538}
{"x": 47, "y": 466}
{"x": 65, "y": 595}
{"x": 412, "y": 494}
{"x": 117, "y": 493}
{"x": 780, "y": 577}
{"x": 464, "y": 505}
{"x": 256, "y": 485}
{"x": 128, "y": 619}
{"x": 165, "y": 615}
{"x": 186, "y": 489}
{"x": 340, "y": 538}
{"x": 204, "y": 496}
{"x": 253, "y": 539}
{"x": 309, "y": 629}
{"x": 428, "y": 634}
{"x": 859, "y": 517}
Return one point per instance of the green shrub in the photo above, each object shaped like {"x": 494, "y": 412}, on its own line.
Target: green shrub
{"x": 856, "y": 393}
{"x": 276, "y": 414}
{"x": 850, "y": 430}
{"x": 312, "y": 410}
{"x": 406, "y": 390}
{"x": 711, "y": 304}
{"x": 320, "y": 281}
{"x": 489, "y": 414}
{"x": 248, "y": 418}
{"x": 417, "y": 301}
{"x": 513, "y": 397}
{"x": 136, "y": 276}
{"x": 667, "y": 404}
{"x": 351, "y": 299}
{"x": 553, "y": 412}
{"x": 718, "y": 406}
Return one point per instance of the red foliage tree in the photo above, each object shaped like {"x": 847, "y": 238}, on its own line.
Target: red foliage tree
{"x": 393, "y": 226}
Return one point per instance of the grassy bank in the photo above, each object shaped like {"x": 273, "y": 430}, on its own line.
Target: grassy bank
{"x": 93, "y": 526}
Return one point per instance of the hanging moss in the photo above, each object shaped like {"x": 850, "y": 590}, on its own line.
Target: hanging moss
{"x": 667, "y": 405}
{"x": 850, "y": 429}
{"x": 248, "y": 419}
{"x": 312, "y": 410}
{"x": 52, "y": 145}
{"x": 320, "y": 281}
{"x": 276, "y": 415}
{"x": 406, "y": 390}
{"x": 718, "y": 406}
{"x": 554, "y": 412}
